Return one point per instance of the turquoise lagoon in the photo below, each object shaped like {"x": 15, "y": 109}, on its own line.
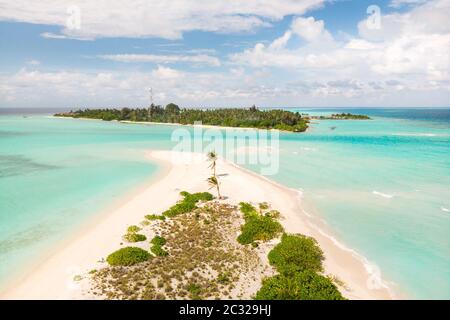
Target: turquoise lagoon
{"x": 382, "y": 186}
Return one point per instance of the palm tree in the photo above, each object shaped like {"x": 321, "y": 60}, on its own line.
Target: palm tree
{"x": 212, "y": 157}
{"x": 214, "y": 183}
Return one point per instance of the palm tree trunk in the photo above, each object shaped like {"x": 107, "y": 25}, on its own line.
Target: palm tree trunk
{"x": 218, "y": 191}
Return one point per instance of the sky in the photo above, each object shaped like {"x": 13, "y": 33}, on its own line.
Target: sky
{"x": 224, "y": 53}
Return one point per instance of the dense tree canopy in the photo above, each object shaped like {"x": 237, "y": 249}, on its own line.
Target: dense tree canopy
{"x": 229, "y": 117}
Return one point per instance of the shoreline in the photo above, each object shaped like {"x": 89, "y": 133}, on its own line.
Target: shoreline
{"x": 179, "y": 124}
{"x": 104, "y": 235}
{"x": 21, "y": 275}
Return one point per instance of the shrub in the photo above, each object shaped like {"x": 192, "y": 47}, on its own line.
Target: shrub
{"x": 134, "y": 237}
{"x": 296, "y": 253}
{"x": 157, "y": 240}
{"x": 273, "y": 214}
{"x": 157, "y": 250}
{"x": 258, "y": 227}
{"x": 223, "y": 278}
{"x": 133, "y": 229}
{"x": 194, "y": 290}
{"x": 263, "y": 206}
{"x": 188, "y": 203}
{"x": 128, "y": 256}
{"x": 246, "y": 208}
{"x": 306, "y": 285}
{"x": 155, "y": 217}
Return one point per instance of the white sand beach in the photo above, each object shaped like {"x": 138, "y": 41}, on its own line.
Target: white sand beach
{"x": 54, "y": 277}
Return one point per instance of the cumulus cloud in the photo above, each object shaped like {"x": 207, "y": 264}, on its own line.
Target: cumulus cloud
{"x": 196, "y": 59}
{"x": 411, "y": 46}
{"x": 310, "y": 29}
{"x": 399, "y": 3}
{"x": 150, "y": 18}
{"x": 404, "y": 63}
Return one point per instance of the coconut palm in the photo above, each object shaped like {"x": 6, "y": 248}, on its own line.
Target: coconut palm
{"x": 212, "y": 157}
{"x": 214, "y": 183}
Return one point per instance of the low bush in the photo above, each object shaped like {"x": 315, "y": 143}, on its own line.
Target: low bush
{"x": 306, "y": 285}
{"x": 155, "y": 217}
{"x": 258, "y": 227}
{"x": 134, "y": 237}
{"x": 157, "y": 250}
{"x": 128, "y": 256}
{"x": 188, "y": 203}
{"x": 275, "y": 214}
{"x": 157, "y": 240}
{"x": 296, "y": 253}
{"x": 133, "y": 229}
{"x": 246, "y": 208}
{"x": 194, "y": 291}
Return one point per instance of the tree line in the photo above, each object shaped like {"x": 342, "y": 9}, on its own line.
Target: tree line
{"x": 227, "y": 117}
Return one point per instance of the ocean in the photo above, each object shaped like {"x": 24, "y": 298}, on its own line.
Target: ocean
{"x": 381, "y": 185}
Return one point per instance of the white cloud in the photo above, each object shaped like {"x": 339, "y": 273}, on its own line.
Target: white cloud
{"x": 399, "y": 3}
{"x": 405, "y": 63}
{"x": 196, "y": 59}
{"x": 310, "y": 29}
{"x": 411, "y": 47}
{"x": 166, "y": 73}
{"x": 151, "y": 18}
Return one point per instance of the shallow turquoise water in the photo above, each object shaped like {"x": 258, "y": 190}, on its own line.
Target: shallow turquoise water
{"x": 382, "y": 185}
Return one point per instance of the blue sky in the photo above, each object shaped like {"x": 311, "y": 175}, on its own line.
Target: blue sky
{"x": 230, "y": 53}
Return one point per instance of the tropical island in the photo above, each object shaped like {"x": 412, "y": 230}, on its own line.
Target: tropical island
{"x": 165, "y": 243}
{"x": 194, "y": 253}
{"x": 342, "y": 116}
{"x": 226, "y": 117}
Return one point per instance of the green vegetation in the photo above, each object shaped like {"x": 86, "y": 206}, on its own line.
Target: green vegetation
{"x": 257, "y": 226}
{"x": 214, "y": 183}
{"x": 128, "y": 256}
{"x": 188, "y": 203}
{"x": 229, "y": 117}
{"x": 194, "y": 291}
{"x": 297, "y": 258}
{"x": 133, "y": 229}
{"x": 159, "y": 241}
{"x": 305, "y": 285}
{"x": 296, "y": 253}
{"x": 206, "y": 261}
{"x": 134, "y": 237}
{"x": 155, "y": 217}
{"x": 342, "y": 116}
{"x": 157, "y": 249}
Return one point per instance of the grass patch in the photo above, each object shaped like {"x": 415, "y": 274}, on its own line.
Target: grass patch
{"x": 128, "y": 256}
{"x": 134, "y": 237}
{"x": 305, "y": 285}
{"x": 296, "y": 253}
{"x": 157, "y": 250}
{"x": 188, "y": 203}
{"x": 194, "y": 291}
{"x": 204, "y": 261}
{"x": 257, "y": 226}
{"x": 157, "y": 240}
{"x": 155, "y": 217}
{"x": 133, "y": 229}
